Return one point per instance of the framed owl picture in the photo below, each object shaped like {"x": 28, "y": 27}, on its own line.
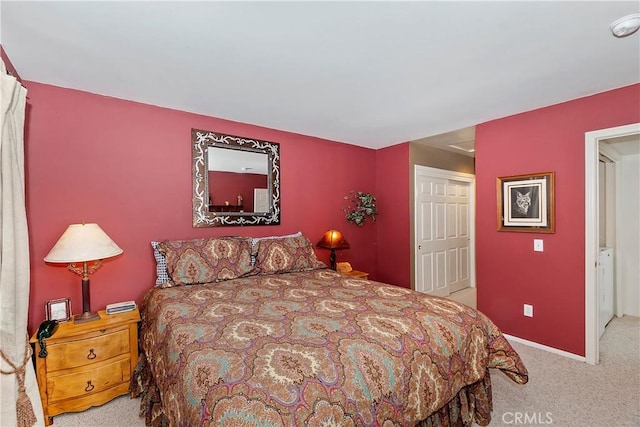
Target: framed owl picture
{"x": 526, "y": 203}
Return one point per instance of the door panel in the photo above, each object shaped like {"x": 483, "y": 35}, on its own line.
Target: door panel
{"x": 453, "y": 264}
{"x": 425, "y": 266}
{"x": 440, "y": 221}
{"x": 433, "y": 238}
{"x": 460, "y": 241}
{"x": 260, "y": 200}
{"x": 442, "y": 235}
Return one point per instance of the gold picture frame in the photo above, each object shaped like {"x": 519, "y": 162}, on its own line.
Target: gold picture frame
{"x": 58, "y": 309}
{"x": 526, "y": 203}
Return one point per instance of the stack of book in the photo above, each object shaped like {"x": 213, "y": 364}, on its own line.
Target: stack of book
{"x": 119, "y": 307}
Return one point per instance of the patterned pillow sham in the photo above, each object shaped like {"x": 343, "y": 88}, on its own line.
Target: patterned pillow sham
{"x": 162, "y": 276}
{"x": 286, "y": 255}
{"x": 192, "y": 262}
{"x": 256, "y": 240}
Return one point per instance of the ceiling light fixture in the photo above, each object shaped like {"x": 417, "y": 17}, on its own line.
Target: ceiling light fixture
{"x": 466, "y": 147}
{"x": 626, "y": 25}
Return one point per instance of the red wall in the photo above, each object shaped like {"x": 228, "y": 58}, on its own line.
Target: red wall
{"x": 127, "y": 166}
{"x": 393, "y": 199}
{"x": 225, "y": 187}
{"x": 509, "y": 273}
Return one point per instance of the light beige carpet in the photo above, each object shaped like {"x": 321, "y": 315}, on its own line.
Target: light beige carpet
{"x": 565, "y": 392}
{"x": 561, "y": 392}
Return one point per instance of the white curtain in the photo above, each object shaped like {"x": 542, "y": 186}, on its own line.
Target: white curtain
{"x": 19, "y": 397}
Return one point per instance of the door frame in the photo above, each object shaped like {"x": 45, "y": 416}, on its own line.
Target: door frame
{"x": 420, "y": 170}
{"x": 592, "y": 152}
{"x": 615, "y": 158}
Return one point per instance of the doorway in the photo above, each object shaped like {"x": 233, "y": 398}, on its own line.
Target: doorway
{"x": 594, "y": 144}
{"x": 260, "y": 200}
{"x": 444, "y": 230}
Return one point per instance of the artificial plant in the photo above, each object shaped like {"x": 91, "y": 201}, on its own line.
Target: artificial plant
{"x": 361, "y": 205}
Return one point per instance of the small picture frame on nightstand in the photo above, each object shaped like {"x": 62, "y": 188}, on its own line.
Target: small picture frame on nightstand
{"x": 58, "y": 309}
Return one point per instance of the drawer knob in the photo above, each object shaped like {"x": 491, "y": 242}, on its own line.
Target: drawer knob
{"x": 89, "y": 386}
{"x": 91, "y": 354}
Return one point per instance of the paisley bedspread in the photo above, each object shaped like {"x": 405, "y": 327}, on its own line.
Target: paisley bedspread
{"x": 315, "y": 348}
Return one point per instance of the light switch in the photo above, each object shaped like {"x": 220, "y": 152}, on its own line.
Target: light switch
{"x": 538, "y": 246}
{"x": 528, "y": 310}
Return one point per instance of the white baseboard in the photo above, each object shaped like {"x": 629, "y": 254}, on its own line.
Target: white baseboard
{"x": 546, "y": 348}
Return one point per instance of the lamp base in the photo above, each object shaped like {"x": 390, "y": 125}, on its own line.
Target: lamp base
{"x": 86, "y": 317}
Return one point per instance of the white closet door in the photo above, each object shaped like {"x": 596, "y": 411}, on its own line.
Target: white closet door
{"x": 443, "y": 220}
{"x": 432, "y": 244}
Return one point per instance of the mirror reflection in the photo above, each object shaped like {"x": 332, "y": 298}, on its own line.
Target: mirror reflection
{"x": 236, "y": 181}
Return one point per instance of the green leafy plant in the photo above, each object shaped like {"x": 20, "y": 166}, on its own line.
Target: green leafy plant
{"x": 361, "y": 205}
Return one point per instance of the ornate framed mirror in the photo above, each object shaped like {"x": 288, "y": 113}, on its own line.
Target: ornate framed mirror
{"x": 236, "y": 180}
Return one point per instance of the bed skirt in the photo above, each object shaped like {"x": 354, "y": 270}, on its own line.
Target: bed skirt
{"x": 472, "y": 404}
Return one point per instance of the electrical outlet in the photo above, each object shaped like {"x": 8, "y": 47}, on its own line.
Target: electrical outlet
{"x": 528, "y": 310}
{"x": 538, "y": 245}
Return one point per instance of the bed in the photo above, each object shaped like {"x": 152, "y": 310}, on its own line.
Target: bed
{"x": 248, "y": 332}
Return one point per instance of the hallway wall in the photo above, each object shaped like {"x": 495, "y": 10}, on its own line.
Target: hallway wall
{"x": 629, "y": 238}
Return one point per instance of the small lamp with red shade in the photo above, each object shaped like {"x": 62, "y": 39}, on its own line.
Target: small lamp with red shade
{"x": 333, "y": 239}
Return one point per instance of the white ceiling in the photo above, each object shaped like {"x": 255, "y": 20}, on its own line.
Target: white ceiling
{"x": 236, "y": 161}
{"x": 372, "y": 74}
{"x": 624, "y": 145}
{"x": 460, "y": 141}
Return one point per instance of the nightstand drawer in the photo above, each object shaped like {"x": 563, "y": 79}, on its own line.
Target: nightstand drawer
{"x": 89, "y": 381}
{"x": 85, "y": 351}
{"x": 88, "y": 363}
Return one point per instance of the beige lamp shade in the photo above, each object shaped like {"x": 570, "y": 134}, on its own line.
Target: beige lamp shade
{"x": 83, "y": 242}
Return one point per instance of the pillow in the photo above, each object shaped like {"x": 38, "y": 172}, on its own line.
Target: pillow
{"x": 161, "y": 265}
{"x": 256, "y": 240}
{"x": 286, "y": 255}
{"x": 191, "y": 262}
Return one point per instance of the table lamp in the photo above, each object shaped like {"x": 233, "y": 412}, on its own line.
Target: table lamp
{"x": 83, "y": 243}
{"x": 333, "y": 239}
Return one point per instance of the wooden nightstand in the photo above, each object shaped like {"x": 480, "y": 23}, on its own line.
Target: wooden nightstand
{"x": 357, "y": 274}
{"x": 88, "y": 363}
